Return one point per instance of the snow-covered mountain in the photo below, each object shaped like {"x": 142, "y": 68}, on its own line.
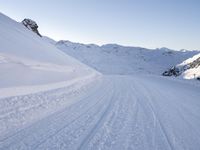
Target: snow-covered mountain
{"x": 49, "y": 100}
{"x": 26, "y": 59}
{"x": 188, "y": 69}
{"x": 116, "y": 59}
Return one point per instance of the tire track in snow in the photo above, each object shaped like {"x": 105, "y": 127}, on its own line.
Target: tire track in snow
{"x": 175, "y": 133}
{"x": 114, "y": 123}
{"x": 18, "y": 134}
{"x": 94, "y": 107}
{"x": 121, "y": 113}
{"x": 98, "y": 124}
{"x": 148, "y": 102}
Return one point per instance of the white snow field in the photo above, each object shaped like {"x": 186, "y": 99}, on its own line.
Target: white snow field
{"x": 114, "y": 112}
{"x": 50, "y": 101}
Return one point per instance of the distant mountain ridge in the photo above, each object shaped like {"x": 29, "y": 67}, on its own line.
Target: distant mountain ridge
{"x": 117, "y": 59}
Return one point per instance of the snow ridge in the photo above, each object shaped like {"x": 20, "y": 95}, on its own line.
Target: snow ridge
{"x": 116, "y": 59}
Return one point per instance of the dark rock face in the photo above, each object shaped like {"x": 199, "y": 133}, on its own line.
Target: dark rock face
{"x": 31, "y": 25}
{"x": 174, "y": 71}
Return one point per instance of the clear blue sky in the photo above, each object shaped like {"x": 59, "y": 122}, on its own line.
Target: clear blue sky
{"x": 147, "y": 23}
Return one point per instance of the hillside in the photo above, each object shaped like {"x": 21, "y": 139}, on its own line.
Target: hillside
{"x": 188, "y": 69}
{"x": 116, "y": 59}
{"x": 27, "y": 60}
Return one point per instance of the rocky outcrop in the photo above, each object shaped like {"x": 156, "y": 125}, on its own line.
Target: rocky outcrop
{"x": 173, "y": 71}
{"x": 31, "y": 25}
{"x": 179, "y": 69}
{"x": 195, "y": 63}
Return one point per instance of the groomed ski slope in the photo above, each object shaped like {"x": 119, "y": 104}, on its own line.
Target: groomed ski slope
{"x": 112, "y": 112}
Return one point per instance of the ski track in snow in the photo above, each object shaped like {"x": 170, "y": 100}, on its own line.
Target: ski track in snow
{"x": 117, "y": 112}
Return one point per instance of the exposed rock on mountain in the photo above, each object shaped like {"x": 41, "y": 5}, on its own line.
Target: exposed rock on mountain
{"x": 173, "y": 71}
{"x": 190, "y": 68}
{"x": 31, "y": 25}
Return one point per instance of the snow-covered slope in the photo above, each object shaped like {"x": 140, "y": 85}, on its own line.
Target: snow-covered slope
{"x": 188, "y": 69}
{"x": 116, "y": 59}
{"x": 193, "y": 67}
{"x": 49, "y": 40}
{"x": 27, "y": 60}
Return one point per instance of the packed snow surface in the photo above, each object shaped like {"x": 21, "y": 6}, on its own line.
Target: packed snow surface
{"x": 113, "y": 112}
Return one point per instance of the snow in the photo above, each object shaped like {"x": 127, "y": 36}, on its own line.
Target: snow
{"x": 49, "y": 40}
{"x": 190, "y": 73}
{"x": 190, "y": 60}
{"x": 49, "y": 100}
{"x": 116, "y": 59}
{"x": 28, "y": 89}
{"x": 113, "y": 112}
{"x": 20, "y": 111}
{"x": 28, "y": 60}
